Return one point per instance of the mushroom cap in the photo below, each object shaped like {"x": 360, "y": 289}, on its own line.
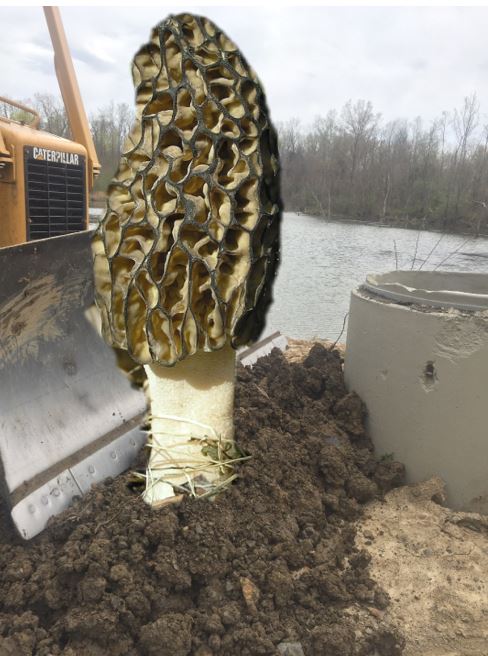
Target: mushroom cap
{"x": 188, "y": 248}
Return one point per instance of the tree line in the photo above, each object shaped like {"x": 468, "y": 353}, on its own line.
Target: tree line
{"x": 352, "y": 165}
{"x": 347, "y": 165}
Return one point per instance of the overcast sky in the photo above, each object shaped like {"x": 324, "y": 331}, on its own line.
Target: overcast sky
{"x": 407, "y": 61}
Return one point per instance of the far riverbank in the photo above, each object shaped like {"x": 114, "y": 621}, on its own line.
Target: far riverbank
{"x": 407, "y": 223}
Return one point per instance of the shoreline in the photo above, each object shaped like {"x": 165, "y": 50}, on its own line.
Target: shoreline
{"x": 377, "y": 224}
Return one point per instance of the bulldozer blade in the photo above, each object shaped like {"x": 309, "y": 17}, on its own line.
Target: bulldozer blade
{"x": 69, "y": 417}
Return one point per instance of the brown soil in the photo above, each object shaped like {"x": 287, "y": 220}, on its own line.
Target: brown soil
{"x": 298, "y": 349}
{"x": 271, "y": 560}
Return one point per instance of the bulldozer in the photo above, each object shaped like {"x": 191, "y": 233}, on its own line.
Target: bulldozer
{"x": 69, "y": 416}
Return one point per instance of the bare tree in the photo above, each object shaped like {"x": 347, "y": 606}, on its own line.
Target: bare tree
{"x": 360, "y": 123}
{"x": 110, "y": 126}
{"x": 52, "y": 113}
{"x": 464, "y": 123}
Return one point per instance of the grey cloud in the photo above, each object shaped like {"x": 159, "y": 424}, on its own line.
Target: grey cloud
{"x": 91, "y": 59}
{"x": 40, "y": 64}
{"x": 419, "y": 64}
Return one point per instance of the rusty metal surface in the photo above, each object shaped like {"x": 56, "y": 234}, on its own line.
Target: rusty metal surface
{"x": 62, "y": 397}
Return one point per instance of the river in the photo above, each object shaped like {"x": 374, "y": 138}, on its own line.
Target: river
{"x": 322, "y": 261}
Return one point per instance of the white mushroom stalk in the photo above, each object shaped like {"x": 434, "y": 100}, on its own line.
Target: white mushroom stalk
{"x": 186, "y": 253}
{"x": 192, "y": 427}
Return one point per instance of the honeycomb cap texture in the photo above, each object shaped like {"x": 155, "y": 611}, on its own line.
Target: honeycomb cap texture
{"x": 186, "y": 253}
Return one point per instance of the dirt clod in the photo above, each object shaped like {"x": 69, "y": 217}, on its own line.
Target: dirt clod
{"x": 271, "y": 561}
{"x": 170, "y": 635}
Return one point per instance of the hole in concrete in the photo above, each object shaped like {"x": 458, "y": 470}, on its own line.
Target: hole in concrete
{"x": 429, "y": 375}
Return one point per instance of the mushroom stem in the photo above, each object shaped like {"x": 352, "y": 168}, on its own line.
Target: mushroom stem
{"x": 192, "y": 431}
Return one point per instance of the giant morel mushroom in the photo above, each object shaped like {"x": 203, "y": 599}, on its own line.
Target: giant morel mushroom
{"x": 186, "y": 253}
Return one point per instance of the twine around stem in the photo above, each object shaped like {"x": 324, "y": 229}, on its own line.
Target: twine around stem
{"x": 222, "y": 459}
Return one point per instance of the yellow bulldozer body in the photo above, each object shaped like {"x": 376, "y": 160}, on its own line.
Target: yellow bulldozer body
{"x": 43, "y": 185}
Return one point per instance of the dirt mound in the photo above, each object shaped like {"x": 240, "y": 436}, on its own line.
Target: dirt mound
{"x": 271, "y": 561}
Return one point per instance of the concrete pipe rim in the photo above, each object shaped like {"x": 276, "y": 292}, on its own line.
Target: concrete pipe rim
{"x": 463, "y": 291}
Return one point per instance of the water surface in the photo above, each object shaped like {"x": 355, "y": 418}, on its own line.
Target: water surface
{"x": 322, "y": 261}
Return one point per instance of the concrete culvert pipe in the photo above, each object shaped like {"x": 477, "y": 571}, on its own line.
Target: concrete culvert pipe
{"x": 417, "y": 353}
